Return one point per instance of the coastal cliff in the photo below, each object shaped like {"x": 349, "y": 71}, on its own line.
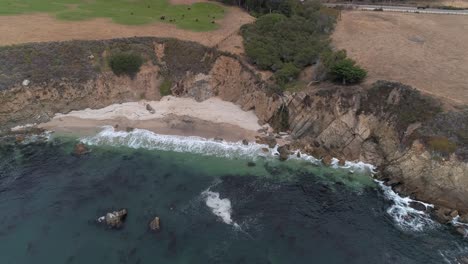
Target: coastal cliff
{"x": 419, "y": 149}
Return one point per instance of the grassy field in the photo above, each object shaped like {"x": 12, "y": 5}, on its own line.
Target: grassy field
{"x": 425, "y": 51}
{"x": 197, "y": 17}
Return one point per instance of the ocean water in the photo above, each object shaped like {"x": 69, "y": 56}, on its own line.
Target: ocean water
{"x": 218, "y": 203}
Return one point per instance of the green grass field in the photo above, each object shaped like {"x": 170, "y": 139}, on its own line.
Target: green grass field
{"x": 197, "y": 17}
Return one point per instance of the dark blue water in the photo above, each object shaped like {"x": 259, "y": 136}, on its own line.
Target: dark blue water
{"x": 291, "y": 212}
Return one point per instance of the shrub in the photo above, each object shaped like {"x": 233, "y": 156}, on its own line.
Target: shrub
{"x": 286, "y": 74}
{"x": 125, "y": 63}
{"x": 442, "y": 145}
{"x": 165, "y": 88}
{"x": 347, "y": 71}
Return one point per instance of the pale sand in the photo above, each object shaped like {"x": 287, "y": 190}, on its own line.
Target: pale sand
{"x": 173, "y": 116}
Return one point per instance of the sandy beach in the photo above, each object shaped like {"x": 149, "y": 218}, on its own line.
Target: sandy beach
{"x": 212, "y": 118}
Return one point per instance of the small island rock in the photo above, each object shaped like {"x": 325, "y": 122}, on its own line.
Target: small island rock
{"x": 154, "y": 225}
{"x": 114, "y": 219}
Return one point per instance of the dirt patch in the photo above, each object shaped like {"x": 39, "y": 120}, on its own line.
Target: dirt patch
{"x": 43, "y": 28}
{"x": 425, "y": 51}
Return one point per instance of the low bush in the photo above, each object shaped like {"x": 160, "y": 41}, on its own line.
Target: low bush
{"x": 441, "y": 145}
{"x": 165, "y": 88}
{"x": 286, "y": 74}
{"x": 399, "y": 103}
{"x": 125, "y": 63}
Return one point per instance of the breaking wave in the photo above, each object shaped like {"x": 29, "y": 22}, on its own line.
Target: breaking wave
{"x": 406, "y": 217}
{"x": 220, "y": 207}
{"x": 140, "y": 138}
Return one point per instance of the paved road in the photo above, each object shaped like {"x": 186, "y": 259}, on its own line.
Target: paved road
{"x": 403, "y": 9}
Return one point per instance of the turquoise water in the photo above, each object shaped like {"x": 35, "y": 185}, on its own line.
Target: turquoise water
{"x": 280, "y": 212}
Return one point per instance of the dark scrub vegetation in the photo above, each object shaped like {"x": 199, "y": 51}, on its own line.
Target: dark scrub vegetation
{"x": 291, "y": 35}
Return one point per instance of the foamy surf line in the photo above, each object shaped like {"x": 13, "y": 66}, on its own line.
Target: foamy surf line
{"x": 141, "y": 138}
{"x": 406, "y": 217}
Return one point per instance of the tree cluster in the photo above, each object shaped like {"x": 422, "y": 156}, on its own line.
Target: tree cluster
{"x": 288, "y": 40}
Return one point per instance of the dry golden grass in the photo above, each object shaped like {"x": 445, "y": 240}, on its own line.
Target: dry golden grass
{"x": 428, "y": 52}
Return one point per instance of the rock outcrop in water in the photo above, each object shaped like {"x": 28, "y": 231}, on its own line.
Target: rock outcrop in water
{"x": 422, "y": 150}
{"x": 154, "y": 225}
{"x": 114, "y": 219}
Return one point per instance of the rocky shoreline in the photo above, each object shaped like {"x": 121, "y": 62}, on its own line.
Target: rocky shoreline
{"x": 419, "y": 148}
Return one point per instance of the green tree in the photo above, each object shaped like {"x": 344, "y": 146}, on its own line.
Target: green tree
{"x": 347, "y": 71}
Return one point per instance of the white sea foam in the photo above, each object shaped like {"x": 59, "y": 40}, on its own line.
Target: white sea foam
{"x": 406, "y": 217}
{"x": 140, "y": 138}
{"x": 220, "y": 207}
{"x": 18, "y": 128}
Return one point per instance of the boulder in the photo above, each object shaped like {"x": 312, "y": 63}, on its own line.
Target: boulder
{"x": 245, "y": 142}
{"x": 20, "y": 138}
{"x": 462, "y": 231}
{"x": 342, "y": 162}
{"x": 463, "y": 218}
{"x": 454, "y": 213}
{"x": 150, "y": 109}
{"x": 327, "y": 160}
{"x": 154, "y": 225}
{"x": 418, "y": 206}
{"x": 26, "y": 82}
{"x": 268, "y": 140}
{"x": 462, "y": 260}
{"x": 114, "y": 219}
{"x": 442, "y": 215}
{"x": 284, "y": 152}
{"x": 80, "y": 149}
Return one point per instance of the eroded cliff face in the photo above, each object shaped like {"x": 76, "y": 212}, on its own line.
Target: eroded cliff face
{"x": 233, "y": 82}
{"x": 40, "y": 101}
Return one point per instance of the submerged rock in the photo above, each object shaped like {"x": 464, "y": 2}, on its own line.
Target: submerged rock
{"x": 114, "y": 219}
{"x": 154, "y": 225}
{"x": 19, "y": 138}
{"x": 462, "y": 231}
{"x": 80, "y": 149}
{"x": 251, "y": 164}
